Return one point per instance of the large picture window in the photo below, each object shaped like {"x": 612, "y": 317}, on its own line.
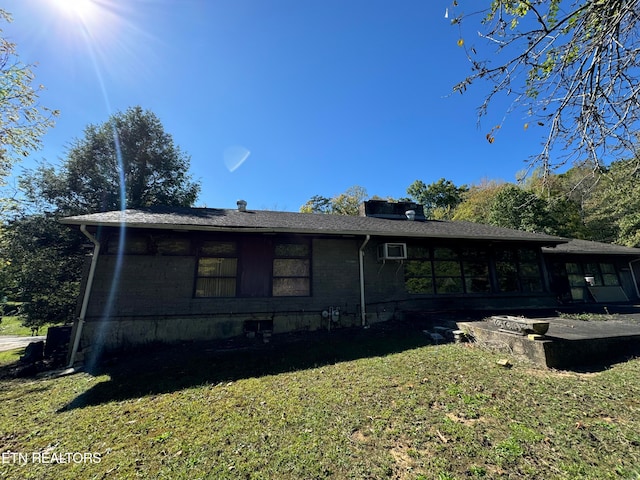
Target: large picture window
{"x": 518, "y": 270}
{"x": 418, "y": 270}
{"x": 475, "y": 270}
{"x": 447, "y": 272}
{"x": 443, "y": 270}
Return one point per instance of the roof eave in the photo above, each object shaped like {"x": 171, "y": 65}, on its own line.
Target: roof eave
{"x": 552, "y": 251}
{"x": 299, "y": 231}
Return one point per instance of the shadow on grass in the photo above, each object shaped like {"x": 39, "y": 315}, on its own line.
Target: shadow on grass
{"x": 169, "y": 369}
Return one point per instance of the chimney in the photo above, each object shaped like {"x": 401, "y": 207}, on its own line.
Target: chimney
{"x": 392, "y": 210}
{"x": 242, "y": 205}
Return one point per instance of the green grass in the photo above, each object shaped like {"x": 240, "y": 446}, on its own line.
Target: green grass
{"x": 13, "y": 326}
{"x": 10, "y": 356}
{"x": 363, "y": 405}
{"x": 591, "y": 317}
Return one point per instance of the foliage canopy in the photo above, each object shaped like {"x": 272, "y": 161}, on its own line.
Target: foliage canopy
{"x": 572, "y": 65}
{"x": 346, "y": 203}
{"x": 127, "y": 162}
{"x": 23, "y": 120}
{"x": 438, "y": 198}
{"x": 43, "y": 261}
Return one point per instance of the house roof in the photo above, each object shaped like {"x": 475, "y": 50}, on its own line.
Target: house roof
{"x": 587, "y": 247}
{"x": 212, "y": 219}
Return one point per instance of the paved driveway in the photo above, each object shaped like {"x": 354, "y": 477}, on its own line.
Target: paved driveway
{"x": 10, "y": 342}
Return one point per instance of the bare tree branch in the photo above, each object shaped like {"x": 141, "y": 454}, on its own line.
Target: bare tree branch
{"x": 572, "y": 65}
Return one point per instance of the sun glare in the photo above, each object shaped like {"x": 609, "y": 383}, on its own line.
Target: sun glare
{"x": 107, "y": 35}
{"x": 76, "y": 8}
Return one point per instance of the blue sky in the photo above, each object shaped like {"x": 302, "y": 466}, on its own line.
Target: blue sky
{"x": 322, "y": 94}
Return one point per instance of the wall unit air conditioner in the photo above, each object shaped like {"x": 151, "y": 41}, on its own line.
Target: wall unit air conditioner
{"x": 392, "y": 251}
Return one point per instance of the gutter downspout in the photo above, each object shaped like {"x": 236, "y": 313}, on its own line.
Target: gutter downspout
{"x": 633, "y": 275}
{"x": 87, "y": 294}
{"x": 363, "y": 309}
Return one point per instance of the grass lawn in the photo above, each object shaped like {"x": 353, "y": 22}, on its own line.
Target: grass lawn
{"x": 363, "y": 404}
{"x": 10, "y": 356}
{"x": 13, "y": 326}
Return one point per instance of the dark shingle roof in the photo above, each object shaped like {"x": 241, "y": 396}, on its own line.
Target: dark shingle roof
{"x": 587, "y": 247}
{"x": 211, "y": 219}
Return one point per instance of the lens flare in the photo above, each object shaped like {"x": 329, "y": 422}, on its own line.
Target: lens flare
{"x": 235, "y": 156}
{"x": 89, "y": 19}
{"x": 109, "y": 36}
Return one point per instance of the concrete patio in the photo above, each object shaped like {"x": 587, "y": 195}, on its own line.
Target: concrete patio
{"x": 567, "y": 344}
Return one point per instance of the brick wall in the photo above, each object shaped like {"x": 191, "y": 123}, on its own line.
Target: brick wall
{"x": 152, "y": 299}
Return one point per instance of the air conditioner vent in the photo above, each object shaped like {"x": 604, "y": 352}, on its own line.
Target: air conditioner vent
{"x": 392, "y": 251}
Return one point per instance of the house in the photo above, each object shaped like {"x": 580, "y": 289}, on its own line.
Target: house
{"x": 582, "y": 271}
{"x": 175, "y": 274}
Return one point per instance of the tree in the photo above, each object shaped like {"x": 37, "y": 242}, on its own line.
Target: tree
{"x": 317, "y": 204}
{"x": 571, "y": 65}
{"x": 579, "y": 185}
{"x": 615, "y": 205}
{"x": 439, "y": 199}
{"x": 129, "y": 161}
{"x": 566, "y": 199}
{"x": 130, "y": 153}
{"x": 515, "y": 208}
{"x": 43, "y": 260}
{"x": 23, "y": 120}
{"x": 565, "y": 218}
{"x": 346, "y": 203}
{"x": 477, "y": 202}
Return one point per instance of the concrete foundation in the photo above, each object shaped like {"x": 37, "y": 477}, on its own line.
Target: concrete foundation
{"x": 567, "y": 344}
{"x": 130, "y": 332}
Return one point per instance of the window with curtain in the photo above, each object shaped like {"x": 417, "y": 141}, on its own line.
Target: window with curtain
{"x": 217, "y": 270}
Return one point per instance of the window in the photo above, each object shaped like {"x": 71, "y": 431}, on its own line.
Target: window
{"x": 291, "y": 270}
{"x": 418, "y": 271}
{"x": 133, "y": 243}
{"x": 253, "y": 267}
{"x": 443, "y": 270}
{"x": 609, "y": 275}
{"x": 507, "y": 271}
{"x": 140, "y": 243}
{"x": 603, "y": 274}
{"x": 171, "y": 245}
{"x": 577, "y": 283}
{"x": 475, "y": 269}
{"x": 518, "y": 270}
{"x": 469, "y": 270}
{"x": 598, "y": 274}
{"x": 217, "y": 269}
{"x": 447, "y": 272}
{"x": 392, "y": 251}
{"x": 529, "y": 270}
